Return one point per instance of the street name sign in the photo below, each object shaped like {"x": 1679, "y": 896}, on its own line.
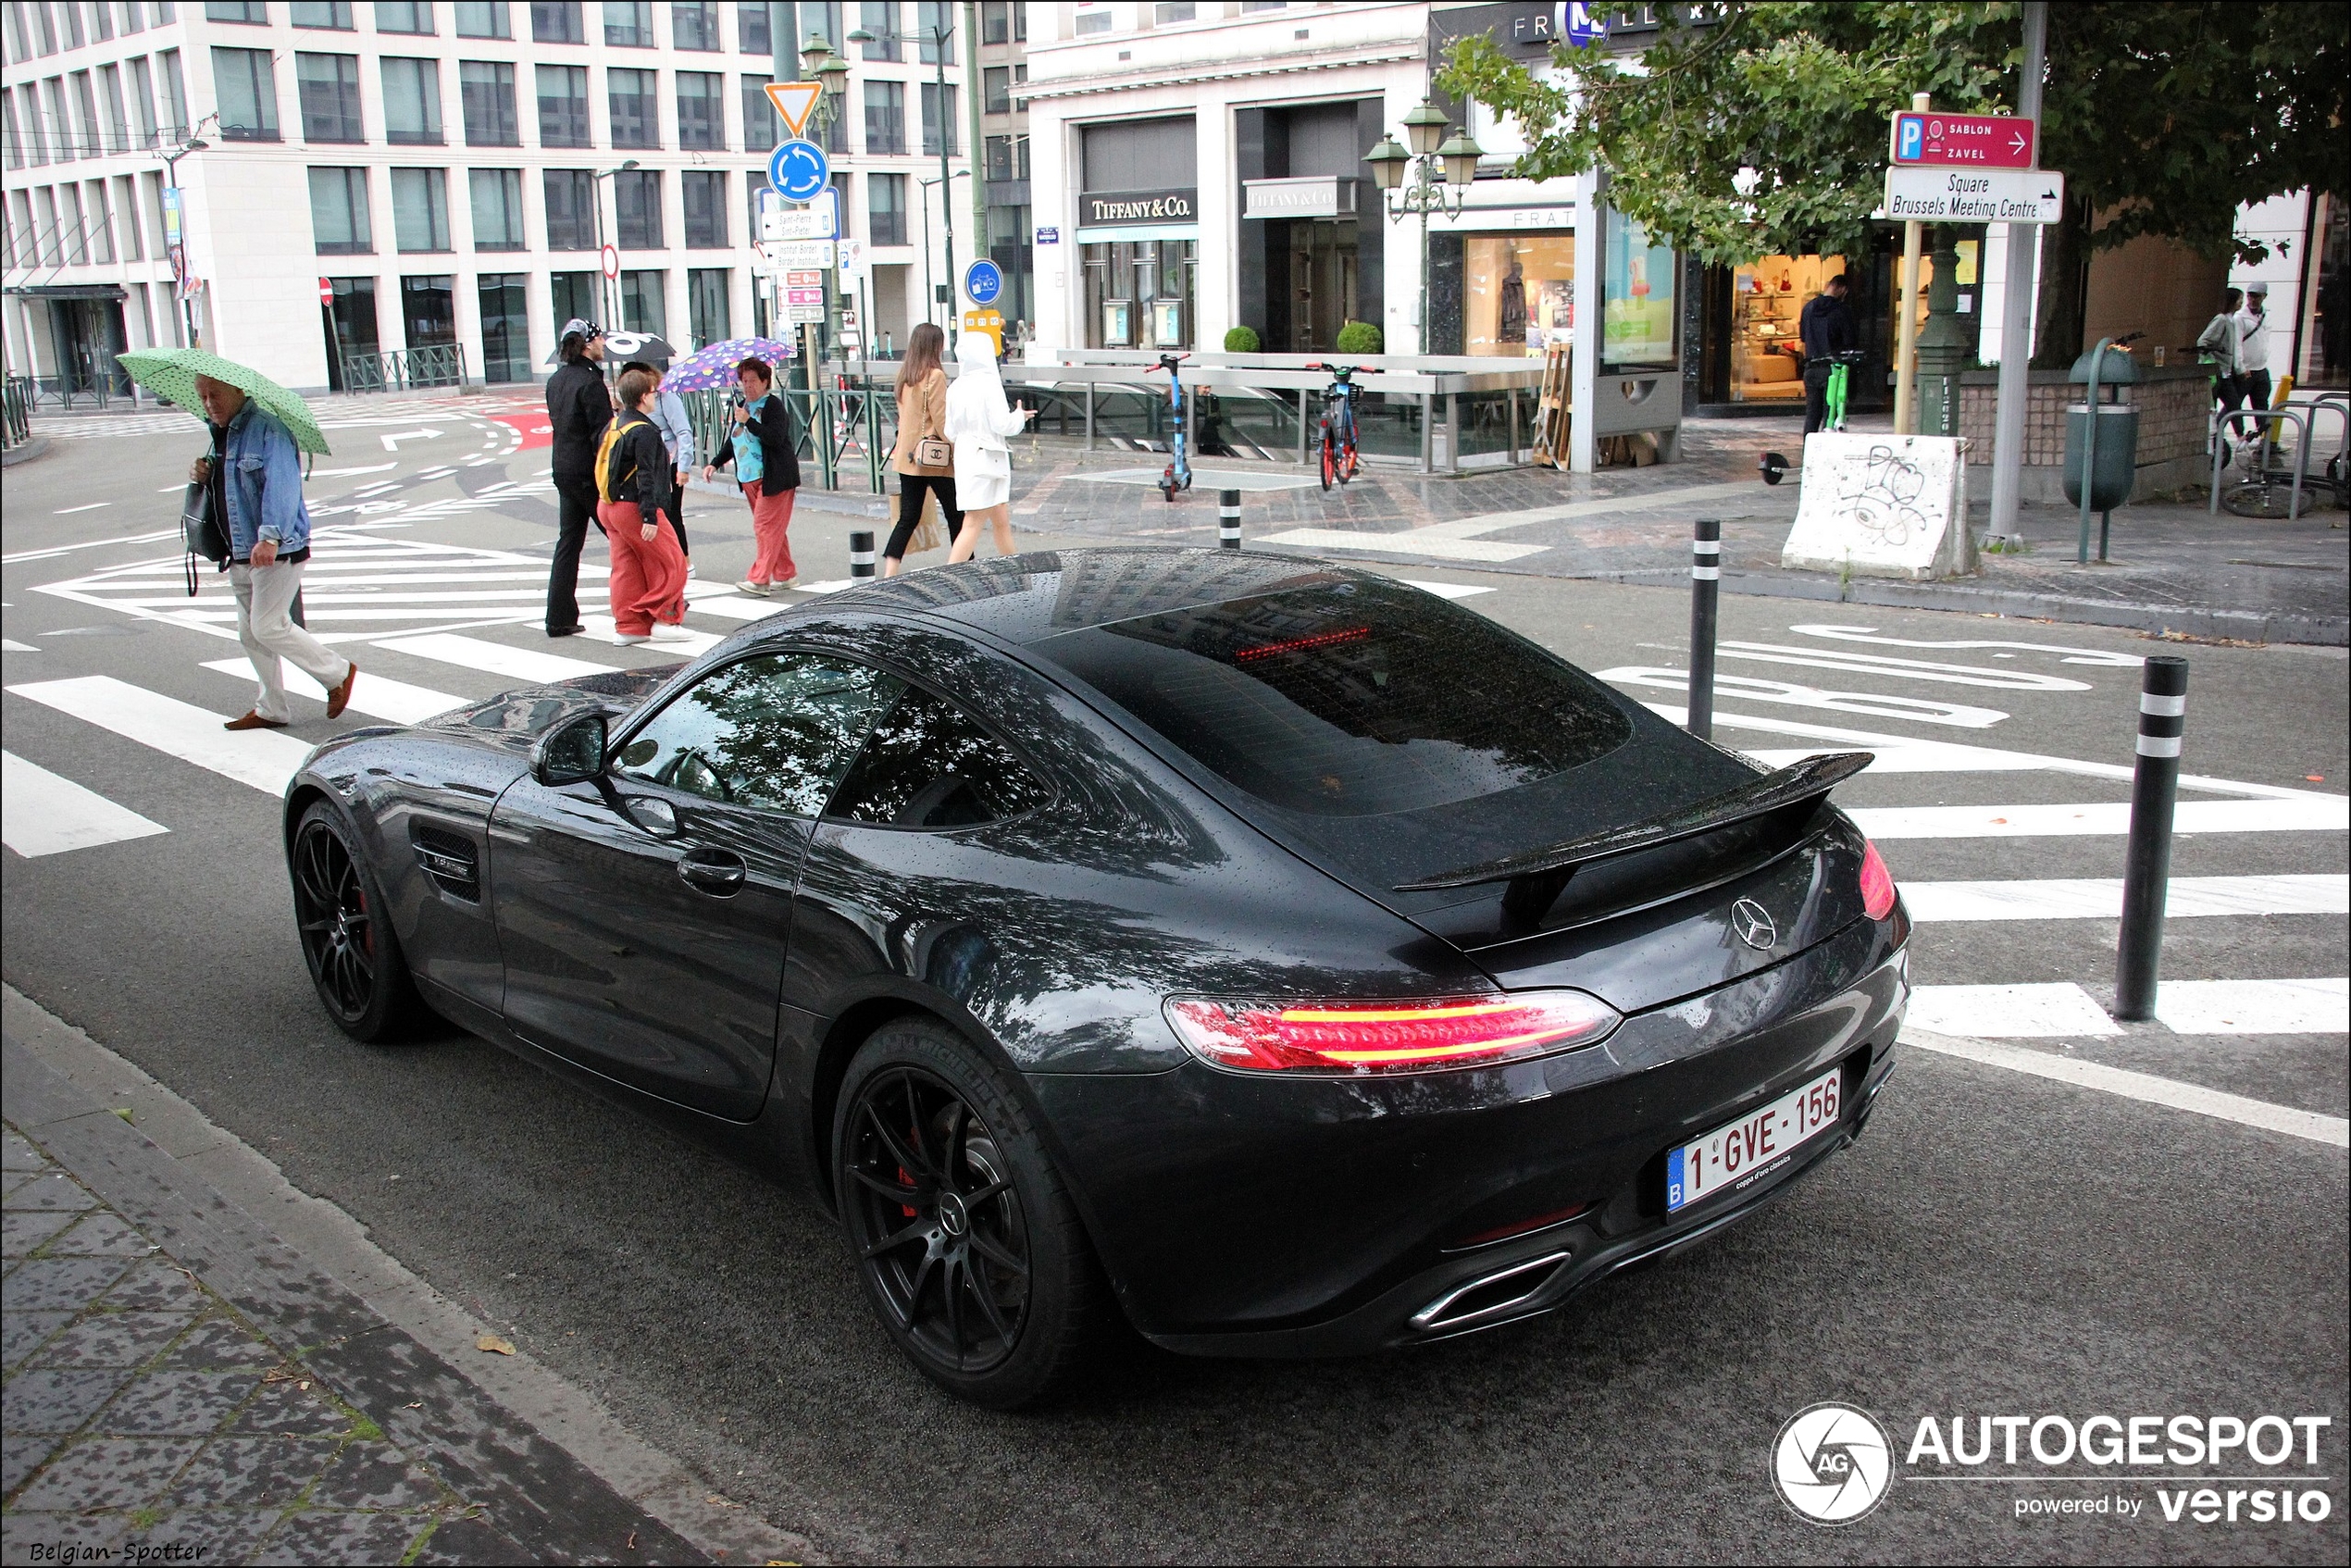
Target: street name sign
{"x": 1977, "y": 195}
{"x": 1925, "y": 138}
{"x": 781, "y": 254}
{"x": 820, "y": 219}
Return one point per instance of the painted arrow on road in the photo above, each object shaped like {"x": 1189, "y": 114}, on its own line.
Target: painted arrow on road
{"x": 391, "y": 442}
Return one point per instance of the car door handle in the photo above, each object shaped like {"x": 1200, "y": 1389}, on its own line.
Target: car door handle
{"x": 715, "y": 872}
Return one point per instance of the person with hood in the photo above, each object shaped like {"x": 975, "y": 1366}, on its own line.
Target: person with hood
{"x": 978, "y": 418}
{"x": 635, "y": 496}
{"x": 579, "y": 407}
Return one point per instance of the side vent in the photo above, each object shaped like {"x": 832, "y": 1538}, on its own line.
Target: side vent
{"x": 450, "y": 859}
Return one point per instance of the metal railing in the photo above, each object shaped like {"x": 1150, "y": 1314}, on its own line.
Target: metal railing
{"x": 400, "y": 368}
{"x": 16, "y": 404}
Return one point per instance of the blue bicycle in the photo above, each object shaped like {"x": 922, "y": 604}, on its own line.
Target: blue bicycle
{"x": 1179, "y": 474}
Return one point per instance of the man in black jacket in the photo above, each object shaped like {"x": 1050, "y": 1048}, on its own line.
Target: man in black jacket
{"x": 1827, "y": 327}
{"x": 579, "y": 407}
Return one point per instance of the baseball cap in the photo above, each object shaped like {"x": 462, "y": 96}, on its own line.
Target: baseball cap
{"x": 2256, "y": 287}
{"x": 578, "y": 329}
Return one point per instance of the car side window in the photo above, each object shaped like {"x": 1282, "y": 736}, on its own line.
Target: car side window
{"x": 930, "y": 765}
{"x": 772, "y": 731}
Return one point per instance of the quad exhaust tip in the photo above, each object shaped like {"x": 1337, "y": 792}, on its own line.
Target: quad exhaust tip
{"x": 1489, "y": 1296}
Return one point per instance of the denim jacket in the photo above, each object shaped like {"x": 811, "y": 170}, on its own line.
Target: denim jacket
{"x": 263, "y": 482}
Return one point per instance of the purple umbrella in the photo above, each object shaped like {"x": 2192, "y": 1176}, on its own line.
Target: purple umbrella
{"x": 711, "y": 368}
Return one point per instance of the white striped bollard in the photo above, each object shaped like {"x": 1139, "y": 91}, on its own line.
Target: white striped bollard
{"x": 861, "y": 555}
{"x": 1228, "y": 519}
{"x": 1706, "y": 585}
{"x": 2146, "y": 866}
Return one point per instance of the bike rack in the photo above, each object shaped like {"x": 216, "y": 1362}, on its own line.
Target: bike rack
{"x": 2339, "y": 404}
{"x": 2301, "y": 452}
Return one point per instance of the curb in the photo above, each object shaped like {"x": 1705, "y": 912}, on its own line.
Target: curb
{"x": 24, "y": 450}
{"x": 556, "y": 1476}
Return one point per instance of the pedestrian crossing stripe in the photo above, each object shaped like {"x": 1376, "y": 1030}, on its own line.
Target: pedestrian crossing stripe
{"x": 264, "y": 759}
{"x": 491, "y": 658}
{"x": 2062, "y": 1010}
{"x": 42, "y": 813}
{"x": 2103, "y": 818}
{"x": 2100, "y": 898}
{"x": 372, "y": 695}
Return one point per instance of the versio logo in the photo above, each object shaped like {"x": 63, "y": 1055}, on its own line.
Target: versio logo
{"x": 1832, "y": 1462}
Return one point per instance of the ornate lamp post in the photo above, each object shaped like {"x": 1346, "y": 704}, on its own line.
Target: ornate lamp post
{"x": 829, "y": 71}
{"x": 1433, "y": 177}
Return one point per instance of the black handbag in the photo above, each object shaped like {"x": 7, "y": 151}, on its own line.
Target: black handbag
{"x": 205, "y": 534}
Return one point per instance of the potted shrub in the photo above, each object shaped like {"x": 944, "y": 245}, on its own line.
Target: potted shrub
{"x": 1240, "y": 340}
{"x": 1359, "y": 337}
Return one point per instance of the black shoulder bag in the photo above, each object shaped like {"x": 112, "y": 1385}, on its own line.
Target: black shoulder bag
{"x": 205, "y": 534}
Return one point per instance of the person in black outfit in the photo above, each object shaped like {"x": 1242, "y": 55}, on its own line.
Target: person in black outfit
{"x": 579, "y": 407}
{"x": 1827, "y": 329}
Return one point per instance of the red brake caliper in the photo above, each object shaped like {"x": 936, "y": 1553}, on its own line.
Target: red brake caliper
{"x": 905, "y": 1180}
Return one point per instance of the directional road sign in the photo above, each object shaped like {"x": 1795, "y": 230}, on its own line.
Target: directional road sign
{"x": 1974, "y": 195}
{"x": 820, "y": 219}
{"x": 983, "y": 280}
{"x": 1964, "y": 141}
{"x": 799, "y": 171}
{"x": 777, "y": 256}
{"x": 794, "y": 101}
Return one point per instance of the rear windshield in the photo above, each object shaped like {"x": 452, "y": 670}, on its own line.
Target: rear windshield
{"x": 1348, "y": 698}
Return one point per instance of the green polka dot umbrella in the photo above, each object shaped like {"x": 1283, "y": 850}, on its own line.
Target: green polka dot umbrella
{"x": 171, "y": 373}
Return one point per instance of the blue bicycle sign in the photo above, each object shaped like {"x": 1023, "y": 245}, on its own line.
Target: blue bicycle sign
{"x": 983, "y": 280}
{"x": 799, "y": 171}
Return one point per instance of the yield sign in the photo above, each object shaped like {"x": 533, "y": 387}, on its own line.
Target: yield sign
{"x": 794, "y": 101}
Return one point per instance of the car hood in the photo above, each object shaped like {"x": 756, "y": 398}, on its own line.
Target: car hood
{"x": 513, "y": 720}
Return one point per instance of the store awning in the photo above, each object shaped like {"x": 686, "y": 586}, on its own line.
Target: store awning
{"x": 70, "y": 290}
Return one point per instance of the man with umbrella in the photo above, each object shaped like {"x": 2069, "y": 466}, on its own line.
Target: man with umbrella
{"x": 254, "y": 477}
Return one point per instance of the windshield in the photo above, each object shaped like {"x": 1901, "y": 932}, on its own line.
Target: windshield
{"x": 1348, "y": 697}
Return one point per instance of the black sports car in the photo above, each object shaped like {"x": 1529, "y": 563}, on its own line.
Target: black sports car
{"x": 1282, "y": 957}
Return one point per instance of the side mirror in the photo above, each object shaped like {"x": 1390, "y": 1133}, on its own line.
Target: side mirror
{"x": 571, "y": 752}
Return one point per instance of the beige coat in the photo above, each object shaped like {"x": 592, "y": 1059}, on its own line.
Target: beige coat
{"x": 922, "y": 411}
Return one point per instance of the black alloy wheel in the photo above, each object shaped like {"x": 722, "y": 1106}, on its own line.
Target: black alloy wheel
{"x": 965, "y": 1239}
{"x": 354, "y": 959}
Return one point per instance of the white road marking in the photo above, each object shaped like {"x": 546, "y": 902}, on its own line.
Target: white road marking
{"x": 95, "y": 543}
{"x": 1407, "y": 542}
{"x": 43, "y": 813}
{"x": 602, "y": 628}
{"x": 2143, "y": 1087}
{"x": 735, "y": 606}
{"x": 378, "y": 696}
{"x": 2313, "y": 815}
{"x": 391, "y": 441}
{"x": 2254, "y": 1007}
{"x": 1923, "y": 710}
{"x": 1460, "y": 540}
{"x": 2100, "y": 898}
{"x": 841, "y": 585}
{"x": 491, "y": 658}
{"x": 85, "y": 507}
{"x": 1900, "y": 669}
{"x": 9, "y": 645}
{"x": 2068, "y": 654}
{"x": 1444, "y": 590}
{"x": 345, "y": 473}
{"x": 2027, "y": 1011}
{"x": 265, "y": 759}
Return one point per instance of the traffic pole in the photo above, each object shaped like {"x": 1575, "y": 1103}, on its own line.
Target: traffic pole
{"x": 2147, "y": 871}
{"x": 1706, "y": 585}
{"x": 1228, "y": 519}
{"x": 861, "y": 555}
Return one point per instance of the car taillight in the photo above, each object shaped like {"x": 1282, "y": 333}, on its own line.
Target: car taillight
{"x": 1413, "y": 1036}
{"x": 1877, "y": 883}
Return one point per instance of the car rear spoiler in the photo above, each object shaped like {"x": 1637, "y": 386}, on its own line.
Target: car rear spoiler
{"x": 1537, "y": 876}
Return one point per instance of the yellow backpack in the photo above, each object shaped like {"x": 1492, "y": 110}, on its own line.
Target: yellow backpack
{"x": 606, "y": 478}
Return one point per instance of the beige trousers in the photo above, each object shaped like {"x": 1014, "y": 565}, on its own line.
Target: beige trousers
{"x": 265, "y": 625}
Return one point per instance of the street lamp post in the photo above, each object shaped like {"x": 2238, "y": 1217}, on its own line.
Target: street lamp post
{"x": 939, "y": 37}
{"x": 1441, "y": 171}
{"x": 946, "y": 208}
{"x": 608, "y": 290}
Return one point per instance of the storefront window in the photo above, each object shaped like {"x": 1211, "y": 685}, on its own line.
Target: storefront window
{"x": 1520, "y": 291}
{"x": 1637, "y": 317}
{"x": 1767, "y": 297}
{"x": 1140, "y": 293}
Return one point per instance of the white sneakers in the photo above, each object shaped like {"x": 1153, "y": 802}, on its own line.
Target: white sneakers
{"x": 630, "y": 638}
{"x": 664, "y": 632}
{"x": 756, "y": 590}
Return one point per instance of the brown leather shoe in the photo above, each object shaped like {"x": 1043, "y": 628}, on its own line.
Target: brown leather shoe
{"x": 254, "y": 721}
{"x": 340, "y": 698}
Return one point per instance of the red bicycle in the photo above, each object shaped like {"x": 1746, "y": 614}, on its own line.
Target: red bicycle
{"x": 1340, "y": 457}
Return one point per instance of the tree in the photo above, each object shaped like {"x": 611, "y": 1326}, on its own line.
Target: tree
{"x": 1756, "y": 127}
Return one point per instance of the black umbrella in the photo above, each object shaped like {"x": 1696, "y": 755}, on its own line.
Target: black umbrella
{"x": 620, "y": 347}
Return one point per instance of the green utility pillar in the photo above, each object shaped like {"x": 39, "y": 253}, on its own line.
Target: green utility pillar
{"x": 1947, "y": 343}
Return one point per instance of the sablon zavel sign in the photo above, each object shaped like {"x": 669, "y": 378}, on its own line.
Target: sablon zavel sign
{"x": 1103, "y": 208}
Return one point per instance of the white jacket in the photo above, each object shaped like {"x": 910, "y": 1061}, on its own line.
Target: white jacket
{"x": 978, "y": 414}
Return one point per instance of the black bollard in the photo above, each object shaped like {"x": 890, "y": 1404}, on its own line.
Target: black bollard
{"x": 861, "y": 555}
{"x": 1228, "y": 519}
{"x": 2146, "y": 870}
{"x": 1706, "y": 585}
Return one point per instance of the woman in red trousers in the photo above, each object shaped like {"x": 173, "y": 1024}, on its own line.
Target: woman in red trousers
{"x": 766, "y": 459}
{"x": 633, "y": 500}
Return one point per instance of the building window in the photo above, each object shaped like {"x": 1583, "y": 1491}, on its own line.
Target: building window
{"x": 750, "y": 28}
{"x": 403, "y": 15}
{"x": 428, "y": 310}
{"x": 175, "y": 92}
{"x": 997, "y": 90}
{"x": 932, "y": 17}
{"x": 483, "y": 19}
{"x": 704, "y": 194}
{"x": 557, "y": 21}
{"x": 1007, "y": 157}
{"x": 628, "y": 24}
{"x": 702, "y": 111}
{"x": 1247, "y": 5}
{"x": 486, "y": 91}
{"x": 1003, "y": 21}
{"x": 936, "y": 125}
{"x": 636, "y": 208}
{"x": 571, "y": 208}
{"x": 880, "y": 19}
{"x": 334, "y": 14}
{"x": 636, "y": 117}
{"x": 142, "y": 100}
{"x": 85, "y": 108}
{"x": 420, "y": 210}
{"x": 505, "y": 325}
{"x": 693, "y": 25}
{"x": 563, "y": 106}
{"x": 762, "y": 129}
{"x": 247, "y": 90}
{"x": 572, "y": 297}
{"x": 884, "y": 116}
{"x": 823, "y": 19}
{"x": 640, "y": 302}
{"x": 1168, "y": 15}
{"x": 134, "y": 17}
{"x": 412, "y": 101}
{"x": 251, "y": 12}
{"x": 707, "y": 317}
{"x": 338, "y": 212}
{"x": 117, "y": 114}
{"x": 15, "y": 150}
{"x": 886, "y": 209}
{"x": 1089, "y": 23}
{"x": 497, "y": 203}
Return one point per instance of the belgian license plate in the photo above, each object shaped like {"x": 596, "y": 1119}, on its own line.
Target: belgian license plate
{"x": 1753, "y": 1147}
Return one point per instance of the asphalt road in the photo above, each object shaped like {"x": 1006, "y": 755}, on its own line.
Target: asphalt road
{"x": 1998, "y": 1244}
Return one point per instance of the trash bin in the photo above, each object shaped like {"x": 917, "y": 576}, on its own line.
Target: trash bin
{"x": 2114, "y": 461}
